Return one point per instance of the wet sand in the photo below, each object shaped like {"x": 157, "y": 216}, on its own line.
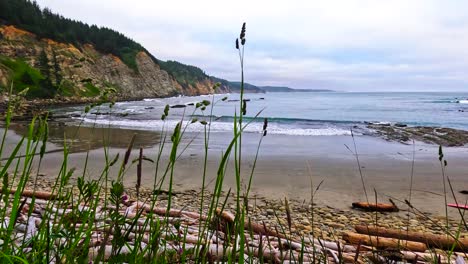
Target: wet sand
{"x": 287, "y": 166}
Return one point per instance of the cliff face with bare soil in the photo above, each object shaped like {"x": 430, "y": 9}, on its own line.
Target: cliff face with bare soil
{"x": 82, "y": 66}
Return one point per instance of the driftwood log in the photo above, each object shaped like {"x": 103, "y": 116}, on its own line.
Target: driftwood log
{"x": 431, "y": 240}
{"x": 379, "y": 207}
{"x": 383, "y": 242}
{"x": 249, "y": 225}
{"x": 37, "y": 194}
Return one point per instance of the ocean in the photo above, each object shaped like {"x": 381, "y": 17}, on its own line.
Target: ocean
{"x": 300, "y": 113}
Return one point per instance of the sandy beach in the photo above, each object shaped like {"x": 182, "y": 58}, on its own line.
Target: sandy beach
{"x": 287, "y": 166}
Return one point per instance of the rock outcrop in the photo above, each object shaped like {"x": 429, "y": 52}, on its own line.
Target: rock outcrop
{"x": 82, "y": 65}
{"x": 447, "y": 137}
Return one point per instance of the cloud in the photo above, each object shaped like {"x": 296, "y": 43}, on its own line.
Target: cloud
{"x": 347, "y": 45}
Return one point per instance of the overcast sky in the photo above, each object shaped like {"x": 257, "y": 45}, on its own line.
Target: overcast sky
{"x": 351, "y": 45}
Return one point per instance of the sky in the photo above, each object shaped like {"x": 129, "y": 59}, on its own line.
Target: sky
{"x": 345, "y": 45}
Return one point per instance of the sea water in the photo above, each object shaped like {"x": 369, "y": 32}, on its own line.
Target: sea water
{"x": 297, "y": 113}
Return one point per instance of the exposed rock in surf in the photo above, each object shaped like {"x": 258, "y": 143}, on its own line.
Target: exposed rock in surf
{"x": 178, "y": 106}
{"x": 447, "y": 137}
{"x": 400, "y": 125}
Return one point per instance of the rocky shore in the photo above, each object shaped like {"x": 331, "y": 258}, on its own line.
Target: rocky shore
{"x": 282, "y": 231}
{"x": 447, "y": 137}
{"x": 24, "y": 110}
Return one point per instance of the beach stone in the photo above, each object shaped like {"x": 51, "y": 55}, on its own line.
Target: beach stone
{"x": 336, "y": 225}
{"x": 342, "y": 218}
{"x": 270, "y": 212}
{"x": 307, "y": 228}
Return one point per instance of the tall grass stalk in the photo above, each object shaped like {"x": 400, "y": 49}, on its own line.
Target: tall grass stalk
{"x": 239, "y": 223}
{"x": 443, "y": 164}
{"x": 356, "y": 155}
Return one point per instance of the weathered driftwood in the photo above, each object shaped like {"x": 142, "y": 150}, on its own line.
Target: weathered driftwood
{"x": 37, "y": 194}
{"x": 268, "y": 255}
{"x": 225, "y": 215}
{"x": 94, "y": 252}
{"x": 331, "y": 245}
{"x": 261, "y": 229}
{"x": 379, "y": 207}
{"x": 432, "y": 257}
{"x": 249, "y": 225}
{"x": 132, "y": 210}
{"x": 219, "y": 252}
{"x": 432, "y": 240}
{"x": 383, "y": 243}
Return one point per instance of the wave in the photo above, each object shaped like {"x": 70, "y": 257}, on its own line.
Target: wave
{"x": 445, "y": 101}
{"x": 152, "y": 100}
{"x": 281, "y": 120}
{"x": 216, "y": 127}
{"x": 463, "y": 101}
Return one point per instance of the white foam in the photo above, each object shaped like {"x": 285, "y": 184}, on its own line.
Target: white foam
{"x": 216, "y": 127}
{"x": 152, "y": 100}
{"x": 382, "y": 123}
{"x": 191, "y": 102}
{"x": 463, "y": 101}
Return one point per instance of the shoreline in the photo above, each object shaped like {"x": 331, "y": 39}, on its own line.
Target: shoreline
{"x": 285, "y": 167}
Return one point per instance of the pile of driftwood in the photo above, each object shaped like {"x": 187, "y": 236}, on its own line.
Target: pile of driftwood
{"x": 410, "y": 246}
{"x": 183, "y": 232}
{"x": 263, "y": 243}
{"x": 406, "y": 245}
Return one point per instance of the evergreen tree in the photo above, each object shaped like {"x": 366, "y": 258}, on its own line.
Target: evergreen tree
{"x": 57, "y": 70}
{"x": 45, "y": 24}
{"x": 44, "y": 66}
{"x": 45, "y": 69}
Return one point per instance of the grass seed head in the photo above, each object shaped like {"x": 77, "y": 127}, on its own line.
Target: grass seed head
{"x": 244, "y": 107}
{"x": 242, "y": 34}
{"x": 166, "y": 110}
{"x": 441, "y": 153}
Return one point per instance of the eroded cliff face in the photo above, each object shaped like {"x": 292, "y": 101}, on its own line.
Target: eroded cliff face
{"x": 81, "y": 65}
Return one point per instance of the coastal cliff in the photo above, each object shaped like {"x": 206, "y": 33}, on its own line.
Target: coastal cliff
{"x": 83, "y": 71}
